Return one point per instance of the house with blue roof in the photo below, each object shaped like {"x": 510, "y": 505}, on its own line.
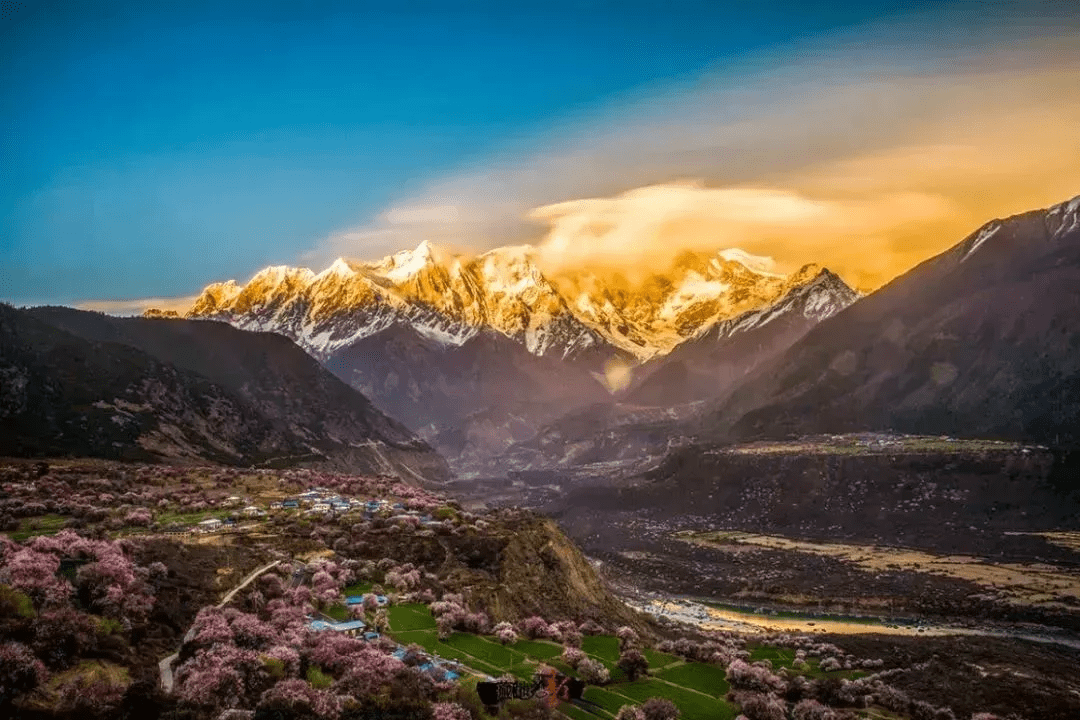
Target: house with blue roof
{"x": 350, "y": 627}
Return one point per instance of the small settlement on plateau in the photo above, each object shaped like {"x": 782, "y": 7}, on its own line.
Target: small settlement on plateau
{"x": 316, "y": 501}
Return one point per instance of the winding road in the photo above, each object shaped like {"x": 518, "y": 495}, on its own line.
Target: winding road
{"x": 165, "y": 667}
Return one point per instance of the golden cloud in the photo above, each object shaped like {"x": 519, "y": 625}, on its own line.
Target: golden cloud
{"x": 866, "y": 161}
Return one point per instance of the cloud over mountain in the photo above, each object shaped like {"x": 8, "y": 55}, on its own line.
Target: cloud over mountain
{"x": 866, "y": 160}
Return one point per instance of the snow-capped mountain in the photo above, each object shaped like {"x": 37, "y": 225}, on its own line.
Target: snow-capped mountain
{"x": 450, "y": 298}
{"x": 719, "y": 356}
{"x": 652, "y": 316}
{"x": 812, "y": 293}
{"x": 478, "y": 352}
{"x": 446, "y": 297}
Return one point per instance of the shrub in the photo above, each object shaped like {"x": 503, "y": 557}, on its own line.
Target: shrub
{"x": 62, "y": 636}
{"x": 811, "y": 710}
{"x": 477, "y": 623}
{"x": 829, "y": 664}
{"x": 20, "y": 671}
{"x": 534, "y": 627}
{"x": 572, "y": 656}
{"x": 627, "y": 637}
{"x": 220, "y": 677}
{"x": 593, "y": 671}
{"x": 445, "y": 626}
{"x": 757, "y": 677}
{"x": 91, "y": 689}
{"x": 659, "y": 709}
{"x": 632, "y": 662}
{"x": 34, "y": 574}
{"x": 295, "y": 698}
{"x": 504, "y": 633}
{"x": 568, "y": 633}
{"x": 366, "y": 672}
{"x": 759, "y": 706}
{"x": 450, "y": 711}
{"x": 140, "y": 517}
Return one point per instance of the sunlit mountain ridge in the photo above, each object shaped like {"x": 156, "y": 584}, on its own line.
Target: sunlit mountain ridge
{"x": 451, "y": 297}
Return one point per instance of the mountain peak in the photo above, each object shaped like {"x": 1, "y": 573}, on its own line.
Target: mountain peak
{"x": 214, "y": 298}
{"x": 275, "y": 274}
{"x": 805, "y": 274}
{"x": 512, "y": 254}
{"x": 339, "y": 268}
{"x": 403, "y": 265}
{"x": 1064, "y": 217}
{"x": 758, "y": 263}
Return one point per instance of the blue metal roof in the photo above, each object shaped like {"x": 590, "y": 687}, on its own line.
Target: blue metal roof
{"x": 339, "y": 626}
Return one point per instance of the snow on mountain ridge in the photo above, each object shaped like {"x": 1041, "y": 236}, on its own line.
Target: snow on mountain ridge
{"x": 450, "y": 298}
{"x": 815, "y": 292}
{"x": 757, "y": 263}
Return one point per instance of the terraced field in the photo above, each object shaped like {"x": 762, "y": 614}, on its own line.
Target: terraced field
{"x": 696, "y": 688}
{"x": 415, "y": 616}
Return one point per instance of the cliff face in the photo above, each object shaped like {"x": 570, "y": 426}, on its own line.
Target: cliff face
{"x": 541, "y": 572}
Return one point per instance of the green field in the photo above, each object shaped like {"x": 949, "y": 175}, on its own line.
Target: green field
{"x": 693, "y": 705}
{"x": 338, "y": 612}
{"x": 576, "y": 713}
{"x": 606, "y": 699}
{"x": 190, "y": 518}
{"x": 603, "y": 647}
{"x": 780, "y": 657}
{"x": 785, "y": 657}
{"x": 428, "y": 639}
{"x": 490, "y": 652}
{"x": 696, "y": 688}
{"x": 40, "y": 525}
{"x": 709, "y": 679}
{"x": 658, "y": 659}
{"x": 415, "y": 616}
{"x": 538, "y": 649}
{"x": 358, "y": 589}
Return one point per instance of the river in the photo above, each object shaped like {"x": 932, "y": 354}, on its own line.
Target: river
{"x": 713, "y": 618}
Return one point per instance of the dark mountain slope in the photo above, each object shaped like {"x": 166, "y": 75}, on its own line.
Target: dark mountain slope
{"x": 710, "y": 365}
{"x": 468, "y": 400}
{"x": 982, "y": 340}
{"x": 85, "y": 383}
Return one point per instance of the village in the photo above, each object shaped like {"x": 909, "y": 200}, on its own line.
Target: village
{"x": 323, "y": 502}
{"x": 235, "y": 513}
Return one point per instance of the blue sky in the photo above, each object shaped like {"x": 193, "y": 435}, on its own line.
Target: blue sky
{"x": 151, "y": 147}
